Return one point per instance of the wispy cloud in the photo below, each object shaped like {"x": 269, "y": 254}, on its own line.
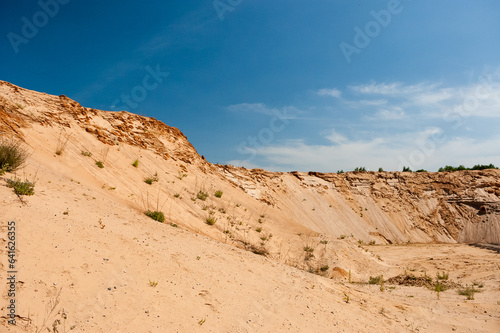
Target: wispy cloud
{"x": 330, "y": 92}
{"x": 387, "y": 152}
{"x": 288, "y": 112}
{"x": 422, "y": 125}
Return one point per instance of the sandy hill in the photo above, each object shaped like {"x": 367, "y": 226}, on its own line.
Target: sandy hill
{"x": 270, "y": 252}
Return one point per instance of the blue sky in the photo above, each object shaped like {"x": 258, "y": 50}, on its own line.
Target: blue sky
{"x": 282, "y": 85}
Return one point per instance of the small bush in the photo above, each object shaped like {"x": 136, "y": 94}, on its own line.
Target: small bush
{"x": 202, "y": 195}
{"x": 99, "y": 164}
{"x": 62, "y": 142}
{"x": 360, "y": 169}
{"x": 444, "y": 276}
{"x": 324, "y": 268}
{"x": 406, "y": 169}
{"x": 21, "y": 187}
{"x": 218, "y": 194}
{"x": 152, "y": 179}
{"x": 210, "y": 220}
{"x": 86, "y": 153}
{"x": 260, "y": 250}
{"x": 468, "y": 291}
{"x": 375, "y": 279}
{"x": 177, "y": 195}
{"x": 380, "y": 170}
{"x": 135, "y": 164}
{"x": 308, "y": 249}
{"x": 12, "y": 156}
{"x": 155, "y": 215}
{"x": 258, "y": 229}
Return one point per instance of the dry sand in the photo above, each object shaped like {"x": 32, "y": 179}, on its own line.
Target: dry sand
{"x": 89, "y": 260}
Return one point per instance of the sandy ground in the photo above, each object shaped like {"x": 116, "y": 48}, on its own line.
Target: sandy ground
{"x": 90, "y": 260}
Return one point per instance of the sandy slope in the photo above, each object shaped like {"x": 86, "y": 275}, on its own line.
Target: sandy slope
{"x": 88, "y": 253}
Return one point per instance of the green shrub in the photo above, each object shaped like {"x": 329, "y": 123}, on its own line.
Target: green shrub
{"x": 324, "y": 268}
{"x": 468, "y": 291}
{"x": 21, "y": 187}
{"x": 444, "y": 276}
{"x": 406, "y": 169}
{"x": 135, "y": 164}
{"x": 375, "y": 279}
{"x": 308, "y": 249}
{"x": 380, "y": 170}
{"x": 360, "y": 169}
{"x": 461, "y": 167}
{"x": 218, "y": 194}
{"x": 155, "y": 215}
{"x": 12, "y": 156}
{"x": 99, "y": 164}
{"x": 202, "y": 195}
{"x": 210, "y": 220}
{"x": 152, "y": 179}
{"x": 86, "y": 153}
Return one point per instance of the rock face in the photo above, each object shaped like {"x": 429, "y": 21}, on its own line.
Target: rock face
{"x": 391, "y": 207}
{"x": 384, "y": 207}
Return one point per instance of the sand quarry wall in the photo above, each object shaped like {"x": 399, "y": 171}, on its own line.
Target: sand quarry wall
{"x": 381, "y": 207}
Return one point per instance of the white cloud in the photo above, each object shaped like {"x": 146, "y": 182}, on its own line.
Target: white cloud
{"x": 396, "y": 113}
{"x": 422, "y": 125}
{"x": 330, "y": 92}
{"x": 417, "y": 150}
{"x": 287, "y": 112}
{"x": 336, "y": 138}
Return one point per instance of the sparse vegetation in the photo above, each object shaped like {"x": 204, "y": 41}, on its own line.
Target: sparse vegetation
{"x": 210, "y": 220}
{"x": 136, "y": 163}
{"x": 443, "y": 276}
{"x": 308, "y": 249}
{"x": 152, "y": 179}
{"x": 375, "y": 279}
{"x": 12, "y": 156}
{"x": 380, "y": 170}
{"x": 468, "y": 291}
{"x": 258, "y": 229}
{"x": 342, "y": 236}
{"x": 324, "y": 268}
{"x": 202, "y": 195}
{"x": 86, "y": 153}
{"x": 177, "y": 195}
{"x": 153, "y": 283}
{"x": 260, "y": 250}
{"x": 218, "y": 194}
{"x": 156, "y": 215}
{"x": 181, "y": 175}
{"x": 346, "y": 298}
{"x": 20, "y": 187}
{"x": 406, "y": 169}
{"x": 461, "y": 167}
{"x": 62, "y": 142}
{"x": 99, "y": 164}
{"x": 360, "y": 169}
{"x": 421, "y": 170}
